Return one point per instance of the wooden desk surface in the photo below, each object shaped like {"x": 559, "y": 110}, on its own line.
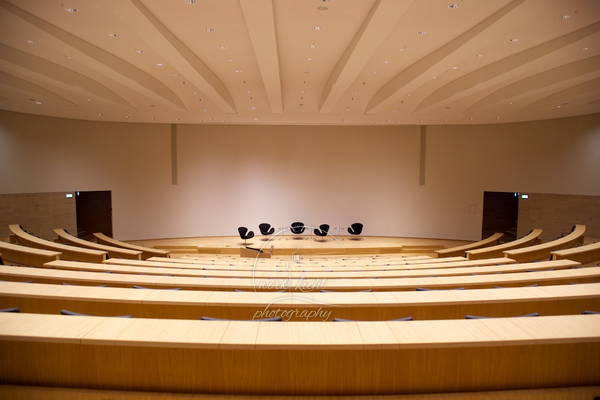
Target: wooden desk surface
{"x": 147, "y": 252}
{"x": 544, "y": 250}
{"x": 420, "y": 271}
{"x": 67, "y": 252}
{"x": 66, "y": 238}
{"x": 460, "y": 250}
{"x": 583, "y": 254}
{"x": 298, "y": 335}
{"x": 249, "y": 266}
{"x": 497, "y": 251}
{"x": 42, "y": 275}
{"x": 23, "y": 255}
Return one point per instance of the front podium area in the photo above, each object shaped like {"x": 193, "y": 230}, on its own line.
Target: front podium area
{"x": 251, "y": 252}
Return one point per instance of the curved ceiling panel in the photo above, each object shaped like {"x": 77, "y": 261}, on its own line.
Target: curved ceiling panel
{"x": 145, "y": 83}
{"x": 58, "y": 73}
{"x": 301, "y": 62}
{"x": 504, "y": 66}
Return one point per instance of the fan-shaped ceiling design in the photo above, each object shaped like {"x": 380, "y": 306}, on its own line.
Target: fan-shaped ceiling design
{"x": 301, "y": 61}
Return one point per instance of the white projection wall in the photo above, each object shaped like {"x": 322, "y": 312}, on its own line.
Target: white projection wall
{"x": 234, "y": 175}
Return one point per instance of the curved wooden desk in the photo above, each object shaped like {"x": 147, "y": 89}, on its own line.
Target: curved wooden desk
{"x": 116, "y": 252}
{"x": 310, "y": 274}
{"x": 558, "y": 277}
{"x": 376, "y": 306}
{"x": 544, "y": 250}
{"x": 67, "y": 252}
{"x": 23, "y": 255}
{"x": 249, "y": 266}
{"x": 299, "y": 358}
{"x": 147, "y": 252}
{"x": 589, "y": 253}
{"x": 460, "y": 250}
{"x": 498, "y": 250}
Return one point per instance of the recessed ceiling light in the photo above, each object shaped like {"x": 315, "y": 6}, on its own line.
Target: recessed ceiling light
{"x": 385, "y": 62}
{"x": 253, "y": 108}
{"x": 160, "y": 64}
{"x": 190, "y": 1}
{"x": 238, "y": 70}
{"x": 347, "y": 108}
{"x": 140, "y": 51}
{"x": 513, "y": 40}
{"x": 479, "y": 55}
{"x": 306, "y": 70}
{"x": 394, "y": 111}
{"x": 210, "y": 29}
{"x": 453, "y": 6}
{"x": 99, "y": 115}
{"x": 222, "y": 47}
{"x": 71, "y": 10}
{"x": 206, "y": 109}
{"x": 112, "y": 34}
{"x": 231, "y": 60}
{"x": 318, "y": 28}
{"x": 454, "y": 67}
{"x": 402, "y": 49}
{"x": 309, "y": 58}
{"x": 373, "y": 72}
{"x": 38, "y": 103}
{"x": 422, "y": 32}
{"x": 175, "y": 74}
{"x": 90, "y": 99}
{"x": 564, "y": 17}
{"x": 557, "y": 106}
{"x": 31, "y": 41}
{"x": 585, "y": 48}
{"x": 313, "y": 46}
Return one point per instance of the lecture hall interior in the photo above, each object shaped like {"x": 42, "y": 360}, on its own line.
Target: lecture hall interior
{"x": 300, "y": 199}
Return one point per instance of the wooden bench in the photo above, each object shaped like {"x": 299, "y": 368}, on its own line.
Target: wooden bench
{"x": 299, "y": 358}
{"x": 376, "y": 306}
{"x": 460, "y": 250}
{"x": 147, "y": 252}
{"x": 67, "y": 252}
{"x": 544, "y": 250}
{"x": 23, "y": 255}
{"x": 498, "y": 250}
{"x": 589, "y": 253}
{"x": 113, "y": 252}
{"x": 558, "y": 277}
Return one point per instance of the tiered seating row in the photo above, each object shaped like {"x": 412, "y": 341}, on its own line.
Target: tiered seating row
{"x": 299, "y": 358}
{"x": 375, "y": 306}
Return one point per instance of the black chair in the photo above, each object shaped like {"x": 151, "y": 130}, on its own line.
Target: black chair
{"x": 518, "y": 316}
{"x": 297, "y": 228}
{"x": 266, "y": 229}
{"x": 355, "y": 229}
{"x": 355, "y": 320}
{"x": 14, "y": 309}
{"x": 584, "y": 312}
{"x": 322, "y": 231}
{"x": 274, "y": 319}
{"x": 67, "y": 312}
{"x": 245, "y": 234}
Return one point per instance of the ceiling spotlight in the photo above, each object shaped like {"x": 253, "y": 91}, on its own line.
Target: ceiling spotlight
{"x": 478, "y": 55}
{"x": 160, "y": 64}
{"x": 422, "y": 32}
{"x": 190, "y": 1}
{"x": 222, "y": 47}
{"x": 40, "y": 103}
{"x": 513, "y": 40}
{"x": 564, "y": 17}
{"x": 318, "y": 28}
{"x": 210, "y": 29}
{"x": 140, "y": 51}
{"x": 31, "y": 41}
{"x": 402, "y": 49}
{"x": 451, "y": 6}
{"x": 72, "y": 10}
{"x": 238, "y": 70}
{"x": 112, "y": 34}
{"x": 206, "y": 109}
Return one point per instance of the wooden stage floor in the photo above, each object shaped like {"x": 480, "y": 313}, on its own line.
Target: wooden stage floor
{"x": 303, "y": 244}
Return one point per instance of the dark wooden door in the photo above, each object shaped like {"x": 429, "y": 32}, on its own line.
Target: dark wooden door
{"x": 94, "y": 213}
{"x": 500, "y": 214}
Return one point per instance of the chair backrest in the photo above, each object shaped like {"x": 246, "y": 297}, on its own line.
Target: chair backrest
{"x": 274, "y": 319}
{"x": 324, "y": 228}
{"x": 357, "y": 228}
{"x": 264, "y": 229}
{"x": 297, "y": 227}
{"x": 242, "y": 230}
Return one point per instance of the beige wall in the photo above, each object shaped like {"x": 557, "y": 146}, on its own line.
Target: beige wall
{"x": 236, "y": 175}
